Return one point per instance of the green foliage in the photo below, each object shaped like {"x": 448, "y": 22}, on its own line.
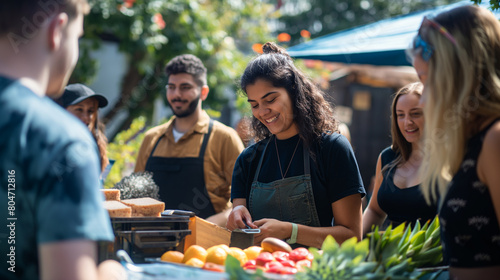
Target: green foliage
{"x": 339, "y": 262}
{"x": 417, "y": 247}
{"x": 394, "y": 254}
{"x": 151, "y": 32}
{"x": 494, "y": 4}
{"x": 350, "y": 261}
{"x": 321, "y": 17}
{"x": 124, "y": 150}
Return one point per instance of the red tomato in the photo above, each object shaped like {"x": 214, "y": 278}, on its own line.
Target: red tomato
{"x": 302, "y": 263}
{"x": 310, "y": 257}
{"x": 249, "y": 264}
{"x": 271, "y": 270}
{"x": 288, "y": 270}
{"x": 283, "y": 270}
{"x": 264, "y": 258}
{"x": 281, "y": 256}
{"x": 273, "y": 265}
{"x": 288, "y": 263}
{"x": 298, "y": 254}
{"x": 213, "y": 267}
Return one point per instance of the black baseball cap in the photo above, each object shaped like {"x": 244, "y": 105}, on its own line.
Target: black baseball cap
{"x": 76, "y": 93}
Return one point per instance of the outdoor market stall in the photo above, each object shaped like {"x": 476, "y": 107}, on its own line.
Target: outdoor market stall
{"x": 176, "y": 244}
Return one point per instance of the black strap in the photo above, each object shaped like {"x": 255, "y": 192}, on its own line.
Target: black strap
{"x": 203, "y": 145}
{"x": 205, "y": 139}
{"x": 154, "y": 148}
{"x": 256, "y": 176}
{"x": 307, "y": 165}
{"x": 490, "y": 125}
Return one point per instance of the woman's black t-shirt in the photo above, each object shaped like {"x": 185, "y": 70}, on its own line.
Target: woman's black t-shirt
{"x": 334, "y": 173}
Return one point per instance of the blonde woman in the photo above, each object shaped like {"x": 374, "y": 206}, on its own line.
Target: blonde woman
{"x": 396, "y": 194}
{"x": 458, "y": 52}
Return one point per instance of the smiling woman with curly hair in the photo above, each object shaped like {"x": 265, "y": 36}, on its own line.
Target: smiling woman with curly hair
{"x": 301, "y": 181}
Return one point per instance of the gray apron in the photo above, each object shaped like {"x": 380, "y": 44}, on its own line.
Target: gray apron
{"x": 290, "y": 199}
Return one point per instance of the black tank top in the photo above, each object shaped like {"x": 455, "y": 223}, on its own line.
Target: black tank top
{"x": 402, "y": 205}
{"x": 469, "y": 226}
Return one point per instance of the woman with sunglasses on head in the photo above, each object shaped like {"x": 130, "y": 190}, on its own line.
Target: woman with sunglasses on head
{"x": 301, "y": 181}
{"x": 396, "y": 193}
{"x": 457, "y": 54}
{"x": 84, "y": 103}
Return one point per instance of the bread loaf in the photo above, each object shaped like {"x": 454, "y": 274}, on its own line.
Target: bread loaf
{"x": 117, "y": 209}
{"x": 145, "y": 207}
{"x": 111, "y": 194}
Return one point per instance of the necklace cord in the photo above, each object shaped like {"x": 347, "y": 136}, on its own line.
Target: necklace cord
{"x": 279, "y": 161}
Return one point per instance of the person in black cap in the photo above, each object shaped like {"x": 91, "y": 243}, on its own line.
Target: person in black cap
{"x": 83, "y": 103}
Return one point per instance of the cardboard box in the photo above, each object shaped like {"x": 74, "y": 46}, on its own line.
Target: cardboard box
{"x": 206, "y": 234}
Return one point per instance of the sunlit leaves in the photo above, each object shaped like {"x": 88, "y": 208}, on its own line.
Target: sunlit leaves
{"x": 151, "y": 32}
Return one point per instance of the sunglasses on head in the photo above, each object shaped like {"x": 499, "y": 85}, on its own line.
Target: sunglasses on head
{"x": 429, "y": 22}
{"x": 419, "y": 44}
{"x": 426, "y": 49}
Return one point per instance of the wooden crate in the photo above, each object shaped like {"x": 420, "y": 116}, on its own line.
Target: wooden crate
{"x": 206, "y": 234}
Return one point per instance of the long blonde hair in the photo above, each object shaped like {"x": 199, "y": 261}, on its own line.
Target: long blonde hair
{"x": 455, "y": 105}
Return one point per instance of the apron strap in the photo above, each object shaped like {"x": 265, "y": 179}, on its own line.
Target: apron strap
{"x": 205, "y": 139}
{"x": 261, "y": 160}
{"x": 203, "y": 145}
{"x": 154, "y": 148}
{"x": 307, "y": 166}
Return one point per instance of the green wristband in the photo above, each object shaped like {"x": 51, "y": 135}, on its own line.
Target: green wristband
{"x": 293, "y": 238}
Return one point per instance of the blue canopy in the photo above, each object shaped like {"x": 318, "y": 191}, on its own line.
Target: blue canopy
{"x": 380, "y": 43}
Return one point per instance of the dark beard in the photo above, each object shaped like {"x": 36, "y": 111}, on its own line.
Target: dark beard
{"x": 189, "y": 111}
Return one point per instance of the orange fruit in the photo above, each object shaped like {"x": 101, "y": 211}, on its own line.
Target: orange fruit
{"x": 225, "y": 247}
{"x": 195, "y": 262}
{"x": 217, "y": 255}
{"x": 253, "y": 252}
{"x": 238, "y": 254}
{"x": 221, "y": 246}
{"x": 172, "y": 256}
{"x": 195, "y": 251}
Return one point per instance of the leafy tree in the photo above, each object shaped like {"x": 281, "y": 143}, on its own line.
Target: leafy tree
{"x": 321, "y": 17}
{"x": 494, "y": 4}
{"x": 151, "y": 32}
{"x": 123, "y": 150}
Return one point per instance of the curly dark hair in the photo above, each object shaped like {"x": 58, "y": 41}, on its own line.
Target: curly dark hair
{"x": 189, "y": 64}
{"x": 311, "y": 112}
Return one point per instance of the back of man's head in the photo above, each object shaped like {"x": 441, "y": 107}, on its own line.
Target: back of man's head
{"x": 22, "y": 18}
{"x": 189, "y": 64}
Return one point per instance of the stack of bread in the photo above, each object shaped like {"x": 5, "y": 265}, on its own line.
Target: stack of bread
{"x": 135, "y": 207}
